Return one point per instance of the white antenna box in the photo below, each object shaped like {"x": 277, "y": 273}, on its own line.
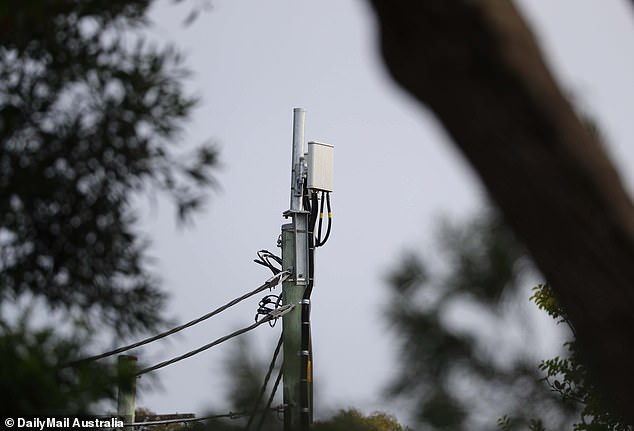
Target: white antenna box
{"x": 320, "y": 166}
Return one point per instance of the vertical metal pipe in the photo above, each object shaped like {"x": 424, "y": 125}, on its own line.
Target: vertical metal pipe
{"x": 299, "y": 118}
{"x": 296, "y": 245}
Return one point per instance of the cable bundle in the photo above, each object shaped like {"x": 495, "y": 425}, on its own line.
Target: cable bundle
{"x": 266, "y": 306}
{"x": 268, "y": 259}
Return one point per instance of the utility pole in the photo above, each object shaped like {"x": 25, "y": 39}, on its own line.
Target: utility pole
{"x": 311, "y": 174}
{"x": 295, "y": 259}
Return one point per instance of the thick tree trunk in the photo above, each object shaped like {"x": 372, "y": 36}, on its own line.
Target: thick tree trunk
{"x": 477, "y": 66}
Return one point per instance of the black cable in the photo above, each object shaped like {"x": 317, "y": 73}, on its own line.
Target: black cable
{"x": 269, "y": 284}
{"x": 312, "y": 211}
{"x": 267, "y": 305}
{"x": 273, "y": 315}
{"x": 321, "y": 216}
{"x": 266, "y": 382}
{"x": 329, "y": 218}
{"x": 319, "y": 241}
{"x": 265, "y": 257}
{"x": 305, "y": 340}
{"x": 268, "y": 404}
{"x": 306, "y": 197}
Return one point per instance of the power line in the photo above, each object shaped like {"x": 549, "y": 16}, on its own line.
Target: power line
{"x": 230, "y": 415}
{"x": 266, "y": 381}
{"x": 279, "y": 312}
{"x": 268, "y": 284}
{"x": 268, "y": 404}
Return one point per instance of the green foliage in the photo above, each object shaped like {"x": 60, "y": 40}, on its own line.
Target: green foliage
{"x": 353, "y": 420}
{"x": 33, "y": 381}
{"x": 507, "y": 424}
{"x": 568, "y": 376}
{"x": 544, "y": 297}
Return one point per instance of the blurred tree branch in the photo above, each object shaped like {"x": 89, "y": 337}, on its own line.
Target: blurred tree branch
{"x": 91, "y": 118}
{"x": 478, "y": 67}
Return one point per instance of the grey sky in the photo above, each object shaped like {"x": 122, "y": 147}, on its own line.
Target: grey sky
{"x": 395, "y": 172}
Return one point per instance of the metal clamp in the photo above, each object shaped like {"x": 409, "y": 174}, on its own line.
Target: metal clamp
{"x": 280, "y": 311}
{"x": 278, "y": 278}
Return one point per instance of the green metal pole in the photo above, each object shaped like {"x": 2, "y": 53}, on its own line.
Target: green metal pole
{"x": 292, "y": 293}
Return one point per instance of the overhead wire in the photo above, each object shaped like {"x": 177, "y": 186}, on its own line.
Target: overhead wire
{"x": 279, "y": 312}
{"x": 229, "y": 415}
{"x": 268, "y": 284}
{"x": 270, "y": 402}
{"x": 266, "y": 382}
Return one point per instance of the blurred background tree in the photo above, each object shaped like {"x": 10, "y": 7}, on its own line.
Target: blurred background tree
{"x": 457, "y": 329}
{"x": 90, "y": 118}
{"x": 353, "y": 420}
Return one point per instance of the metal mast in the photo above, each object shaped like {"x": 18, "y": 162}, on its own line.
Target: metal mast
{"x": 311, "y": 184}
{"x": 295, "y": 258}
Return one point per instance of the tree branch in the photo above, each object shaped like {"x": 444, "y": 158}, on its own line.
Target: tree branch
{"x": 477, "y": 66}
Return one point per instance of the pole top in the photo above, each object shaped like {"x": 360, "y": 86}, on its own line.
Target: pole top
{"x": 298, "y": 169}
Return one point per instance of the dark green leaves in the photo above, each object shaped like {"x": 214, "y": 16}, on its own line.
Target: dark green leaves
{"x": 34, "y": 382}
{"x": 568, "y": 377}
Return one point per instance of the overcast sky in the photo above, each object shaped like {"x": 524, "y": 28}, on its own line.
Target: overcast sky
{"x": 396, "y": 172}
